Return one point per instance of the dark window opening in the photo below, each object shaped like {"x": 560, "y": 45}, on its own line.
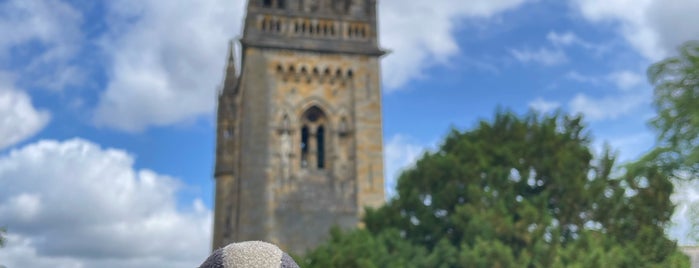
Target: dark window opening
{"x": 304, "y": 147}
{"x": 267, "y": 3}
{"x": 314, "y": 114}
{"x": 320, "y": 137}
{"x": 281, "y": 4}
{"x": 313, "y": 138}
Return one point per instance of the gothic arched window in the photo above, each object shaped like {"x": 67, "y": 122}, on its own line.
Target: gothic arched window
{"x": 313, "y": 138}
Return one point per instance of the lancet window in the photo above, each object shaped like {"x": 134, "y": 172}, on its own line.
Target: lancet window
{"x": 313, "y": 139}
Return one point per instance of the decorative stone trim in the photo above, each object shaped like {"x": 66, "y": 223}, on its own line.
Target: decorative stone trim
{"x": 321, "y": 73}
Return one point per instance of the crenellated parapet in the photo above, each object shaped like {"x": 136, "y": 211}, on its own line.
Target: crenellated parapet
{"x": 332, "y": 26}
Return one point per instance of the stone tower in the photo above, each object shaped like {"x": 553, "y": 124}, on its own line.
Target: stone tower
{"x": 299, "y": 138}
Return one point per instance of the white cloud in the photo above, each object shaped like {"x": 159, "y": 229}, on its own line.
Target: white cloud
{"x": 74, "y": 204}
{"x": 24, "y": 206}
{"x": 50, "y": 22}
{"x": 421, "y": 33}
{"x": 167, "y": 60}
{"x": 578, "y": 77}
{"x": 626, "y": 80}
{"x": 608, "y": 107}
{"x": 544, "y": 106}
{"x": 19, "y": 119}
{"x": 653, "y": 27}
{"x": 686, "y": 198}
{"x": 168, "y": 56}
{"x": 623, "y": 80}
{"x": 568, "y": 39}
{"x": 555, "y": 54}
{"x": 563, "y": 39}
{"x": 55, "y": 26}
{"x": 400, "y": 152}
{"x": 545, "y": 56}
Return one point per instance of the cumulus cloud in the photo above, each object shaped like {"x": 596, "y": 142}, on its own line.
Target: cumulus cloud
{"x": 19, "y": 119}
{"x": 74, "y": 204}
{"x": 55, "y": 27}
{"x": 167, "y": 60}
{"x": 544, "y": 106}
{"x": 420, "y": 33}
{"x": 167, "y": 57}
{"x": 655, "y": 28}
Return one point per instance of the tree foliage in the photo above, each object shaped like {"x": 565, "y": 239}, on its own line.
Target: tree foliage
{"x": 515, "y": 192}
{"x": 3, "y": 231}
{"x": 676, "y": 82}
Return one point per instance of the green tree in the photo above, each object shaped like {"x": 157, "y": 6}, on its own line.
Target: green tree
{"x": 676, "y": 99}
{"x": 3, "y": 231}
{"x": 517, "y": 192}
{"x": 676, "y": 82}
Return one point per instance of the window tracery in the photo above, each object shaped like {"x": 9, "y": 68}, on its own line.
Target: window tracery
{"x": 313, "y": 139}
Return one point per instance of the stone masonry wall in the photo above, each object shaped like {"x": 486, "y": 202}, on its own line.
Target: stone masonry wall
{"x": 281, "y": 194}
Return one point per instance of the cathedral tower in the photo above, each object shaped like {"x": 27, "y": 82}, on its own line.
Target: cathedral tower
{"x": 299, "y": 137}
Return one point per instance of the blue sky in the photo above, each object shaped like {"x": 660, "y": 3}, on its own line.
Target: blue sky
{"x": 106, "y": 107}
